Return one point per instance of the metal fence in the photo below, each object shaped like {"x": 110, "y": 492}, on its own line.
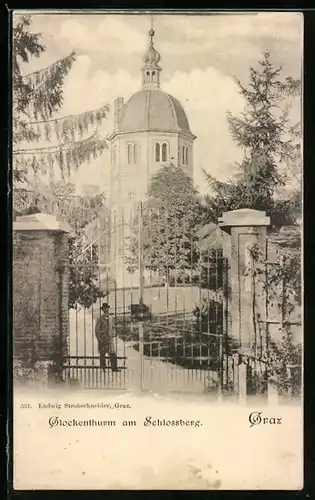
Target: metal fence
{"x": 167, "y": 302}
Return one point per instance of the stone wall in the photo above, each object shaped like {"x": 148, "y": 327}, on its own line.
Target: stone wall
{"x": 40, "y": 294}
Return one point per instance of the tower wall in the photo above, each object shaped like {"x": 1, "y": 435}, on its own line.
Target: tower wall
{"x": 130, "y": 183}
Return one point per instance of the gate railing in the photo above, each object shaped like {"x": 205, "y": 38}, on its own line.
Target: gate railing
{"x": 206, "y": 297}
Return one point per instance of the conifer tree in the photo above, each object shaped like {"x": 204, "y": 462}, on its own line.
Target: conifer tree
{"x": 271, "y": 147}
{"x": 73, "y": 141}
{"x": 37, "y": 97}
{"x": 170, "y": 219}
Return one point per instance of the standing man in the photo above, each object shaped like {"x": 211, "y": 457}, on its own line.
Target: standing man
{"x": 104, "y": 334}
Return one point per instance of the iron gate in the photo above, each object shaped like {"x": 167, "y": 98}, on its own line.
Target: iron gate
{"x": 167, "y": 300}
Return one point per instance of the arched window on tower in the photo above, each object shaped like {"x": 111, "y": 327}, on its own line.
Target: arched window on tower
{"x": 185, "y": 155}
{"x": 161, "y": 152}
{"x": 164, "y": 151}
{"x": 132, "y": 152}
{"x": 148, "y": 76}
{"x": 135, "y": 153}
{"x": 153, "y": 76}
{"x": 129, "y": 153}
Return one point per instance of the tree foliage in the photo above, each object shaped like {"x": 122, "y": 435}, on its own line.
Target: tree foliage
{"x": 170, "y": 186}
{"x": 72, "y": 141}
{"x": 84, "y": 288}
{"x": 37, "y": 97}
{"x": 281, "y": 289}
{"x": 59, "y": 199}
{"x": 79, "y": 211}
{"x": 170, "y": 223}
{"x": 270, "y": 145}
{"x": 285, "y": 366}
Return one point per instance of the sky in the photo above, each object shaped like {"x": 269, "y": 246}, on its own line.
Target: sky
{"x": 200, "y": 57}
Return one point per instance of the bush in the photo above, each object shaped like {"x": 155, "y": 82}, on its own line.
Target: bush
{"x": 209, "y": 316}
{"x": 178, "y": 340}
{"x": 285, "y": 366}
{"x": 25, "y": 372}
{"x": 84, "y": 286}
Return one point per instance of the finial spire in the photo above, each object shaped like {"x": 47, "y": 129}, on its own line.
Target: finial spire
{"x": 151, "y": 70}
{"x": 151, "y": 32}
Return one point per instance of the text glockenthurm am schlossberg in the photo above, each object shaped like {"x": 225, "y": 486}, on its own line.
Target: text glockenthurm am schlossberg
{"x": 147, "y": 422}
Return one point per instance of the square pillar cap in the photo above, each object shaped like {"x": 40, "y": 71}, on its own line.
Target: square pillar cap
{"x": 244, "y": 217}
{"x": 41, "y": 222}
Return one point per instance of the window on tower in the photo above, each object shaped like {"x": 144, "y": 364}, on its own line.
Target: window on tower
{"x": 185, "y": 155}
{"x": 164, "y": 151}
{"x": 129, "y": 153}
{"x": 132, "y": 152}
{"x": 135, "y": 153}
{"x": 161, "y": 152}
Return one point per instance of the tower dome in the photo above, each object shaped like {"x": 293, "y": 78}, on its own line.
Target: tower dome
{"x": 153, "y": 110}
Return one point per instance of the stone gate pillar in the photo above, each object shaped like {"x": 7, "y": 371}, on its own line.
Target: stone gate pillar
{"x": 247, "y": 294}
{"x": 40, "y": 288}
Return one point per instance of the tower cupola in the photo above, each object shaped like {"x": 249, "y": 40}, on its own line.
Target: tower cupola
{"x": 151, "y": 69}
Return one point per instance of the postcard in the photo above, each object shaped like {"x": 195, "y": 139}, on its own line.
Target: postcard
{"x": 157, "y": 246}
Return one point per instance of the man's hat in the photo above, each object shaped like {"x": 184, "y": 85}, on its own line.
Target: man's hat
{"x": 105, "y": 307}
